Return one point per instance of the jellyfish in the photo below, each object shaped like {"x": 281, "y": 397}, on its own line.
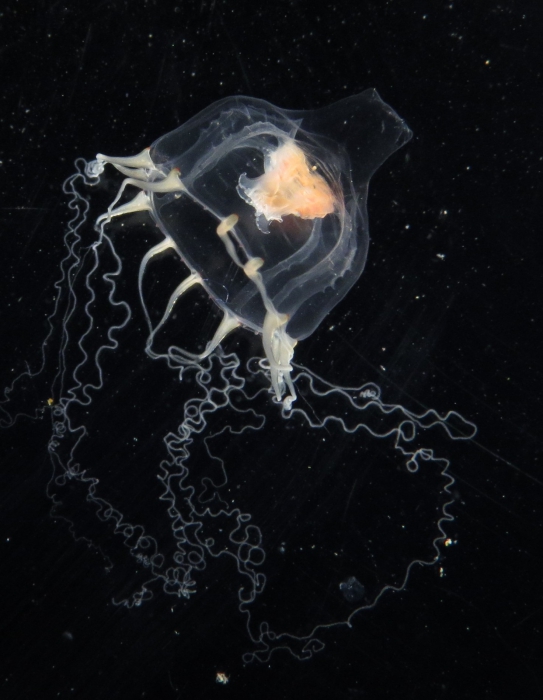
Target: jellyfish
{"x": 263, "y": 210}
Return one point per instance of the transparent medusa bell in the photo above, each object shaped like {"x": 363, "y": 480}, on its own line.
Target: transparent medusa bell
{"x": 267, "y": 209}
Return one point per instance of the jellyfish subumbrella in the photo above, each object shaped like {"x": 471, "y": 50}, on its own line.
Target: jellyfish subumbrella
{"x": 255, "y": 461}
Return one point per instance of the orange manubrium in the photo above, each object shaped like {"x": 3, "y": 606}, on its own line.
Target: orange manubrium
{"x": 290, "y": 186}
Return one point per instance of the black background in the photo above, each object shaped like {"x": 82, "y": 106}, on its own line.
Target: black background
{"x": 460, "y": 332}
